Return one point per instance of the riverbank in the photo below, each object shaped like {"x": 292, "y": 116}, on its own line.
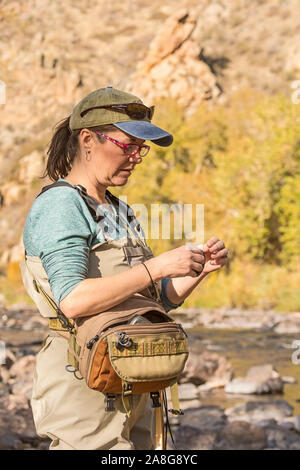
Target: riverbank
{"x": 255, "y": 319}
{"x": 229, "y": 402}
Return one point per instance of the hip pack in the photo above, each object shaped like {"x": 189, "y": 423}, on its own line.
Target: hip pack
{"x": 132, "y": 348}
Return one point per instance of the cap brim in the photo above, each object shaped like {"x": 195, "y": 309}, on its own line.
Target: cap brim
{"x": 146, "y": 131}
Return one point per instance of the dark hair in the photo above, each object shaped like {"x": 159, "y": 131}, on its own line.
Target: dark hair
{"x": 63, "y": 148}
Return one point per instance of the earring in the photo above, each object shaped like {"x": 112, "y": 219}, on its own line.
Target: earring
{"x": 87, "y": 156}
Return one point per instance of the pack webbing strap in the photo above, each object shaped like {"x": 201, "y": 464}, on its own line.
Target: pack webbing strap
{"x": 55, "y": 324}
{"x": 72, "y": 342}
{"x": 126, "y": 396}
{"x": 38, "y": 288}
{"x": 174, "y": 397}
{"x": 72, "y": 361}
{"x": 159, "y": 425}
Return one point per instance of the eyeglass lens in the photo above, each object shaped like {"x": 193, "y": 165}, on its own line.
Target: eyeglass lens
{"x": 142, "y": 151}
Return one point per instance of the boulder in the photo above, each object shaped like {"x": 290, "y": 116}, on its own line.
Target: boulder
{"x": 208, "y": 366}
{"x": 9, "y": 440}
{"x": 173, "y": 67}
{"x": 21, "y": 374}
{"x": 17, "y": 429}
{"x": 205, "y": 418}
{"x": 8, "y": 361}
{"x": 283, "y": 438}
{"x": 13, "y": 192}
{"x": 30, "y": 167}
{"x": 240, "y": 436}
{"x": 259, "y": 380}
{"x": 254, "y": 411}
{"x": 172, "y": 35}
{"x": 190, "y": 438}
{"x": 188, "y": 391}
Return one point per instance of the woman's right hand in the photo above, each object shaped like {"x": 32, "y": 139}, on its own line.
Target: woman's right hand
{"x": 180, "y": 262}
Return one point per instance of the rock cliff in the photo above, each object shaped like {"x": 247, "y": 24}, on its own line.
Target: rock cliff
{"x": 53, "y": 54}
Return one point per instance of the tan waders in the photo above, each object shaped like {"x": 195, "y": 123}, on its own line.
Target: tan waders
{"x": 64, "y": 408}
{"x": 71, "y": 414}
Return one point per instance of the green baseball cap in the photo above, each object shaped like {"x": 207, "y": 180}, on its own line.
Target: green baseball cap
{"x": 90, "y": 113}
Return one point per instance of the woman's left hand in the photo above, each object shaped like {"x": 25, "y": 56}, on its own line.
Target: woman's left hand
{"x": 215, "y": 255}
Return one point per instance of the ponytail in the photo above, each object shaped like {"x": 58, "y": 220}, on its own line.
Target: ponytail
{"x": 62, "y": 151}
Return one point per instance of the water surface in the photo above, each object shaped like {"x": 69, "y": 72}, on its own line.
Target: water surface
{"x": 245, "y": 349}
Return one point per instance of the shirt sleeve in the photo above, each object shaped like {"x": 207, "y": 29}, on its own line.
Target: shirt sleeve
{"x": 165, "y": 301}
{"x": 60, "y": 230}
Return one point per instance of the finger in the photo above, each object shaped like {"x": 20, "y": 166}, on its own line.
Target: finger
{"x": 196, "y": 252}
{"x": 197, "y": 267}
{"x": 205, "y": 248}
{"x": 197, "y": 272}
{"x": 220, "y": 253}
{"x": 219, "y": 262}
{"x": 199, "y": 258}
{"x": 211, "y": 241}
{"x": 217, "y": 246}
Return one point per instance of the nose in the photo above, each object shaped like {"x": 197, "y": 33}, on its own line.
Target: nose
{"x": 135, "y": 158}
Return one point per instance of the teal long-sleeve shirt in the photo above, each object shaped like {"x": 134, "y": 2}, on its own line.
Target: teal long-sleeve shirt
{"x": 60, "y": 230}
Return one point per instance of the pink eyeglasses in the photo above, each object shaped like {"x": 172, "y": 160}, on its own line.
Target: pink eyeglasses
{"x": 128, "y": 149}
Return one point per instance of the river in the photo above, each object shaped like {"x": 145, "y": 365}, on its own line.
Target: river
{"x": 244, "y": 349}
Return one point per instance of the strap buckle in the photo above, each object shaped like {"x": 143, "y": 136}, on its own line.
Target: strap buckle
{"x": 110, "y": 406}
{"x": 127, "y": 389}
{"x": 176, "y": 412}
{"x": 155, "y": 399}
{"x": 64, "y": 321}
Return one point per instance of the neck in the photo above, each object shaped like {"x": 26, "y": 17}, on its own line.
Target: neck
{"x": 97, "y": 192}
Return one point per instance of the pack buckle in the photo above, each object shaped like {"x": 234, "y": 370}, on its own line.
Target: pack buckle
{"x": 155, "y": 399}
{"x": 109, "y": 399}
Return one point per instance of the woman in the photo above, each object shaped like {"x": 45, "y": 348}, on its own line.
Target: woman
{"x": 96, "y": 147}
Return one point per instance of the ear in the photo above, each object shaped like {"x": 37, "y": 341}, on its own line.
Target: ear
{"x": 86, "y": 136}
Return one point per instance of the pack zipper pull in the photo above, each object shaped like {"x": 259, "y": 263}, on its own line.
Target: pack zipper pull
{"x": 123, "y": 341}
{"x": 90, "y": 344}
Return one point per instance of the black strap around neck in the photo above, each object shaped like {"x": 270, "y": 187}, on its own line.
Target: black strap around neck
{"x": 92, "y": 204}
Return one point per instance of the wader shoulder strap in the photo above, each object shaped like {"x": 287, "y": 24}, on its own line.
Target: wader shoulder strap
{"x": 91, "y": 203}
{"x": 96, "y": 210}
{"x": 64, "y": 321}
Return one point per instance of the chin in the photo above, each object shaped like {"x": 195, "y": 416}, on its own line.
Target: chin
{"x": 119, "y": 181}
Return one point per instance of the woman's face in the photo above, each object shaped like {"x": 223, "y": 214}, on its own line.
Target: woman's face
{"x": 107, "y": 162}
